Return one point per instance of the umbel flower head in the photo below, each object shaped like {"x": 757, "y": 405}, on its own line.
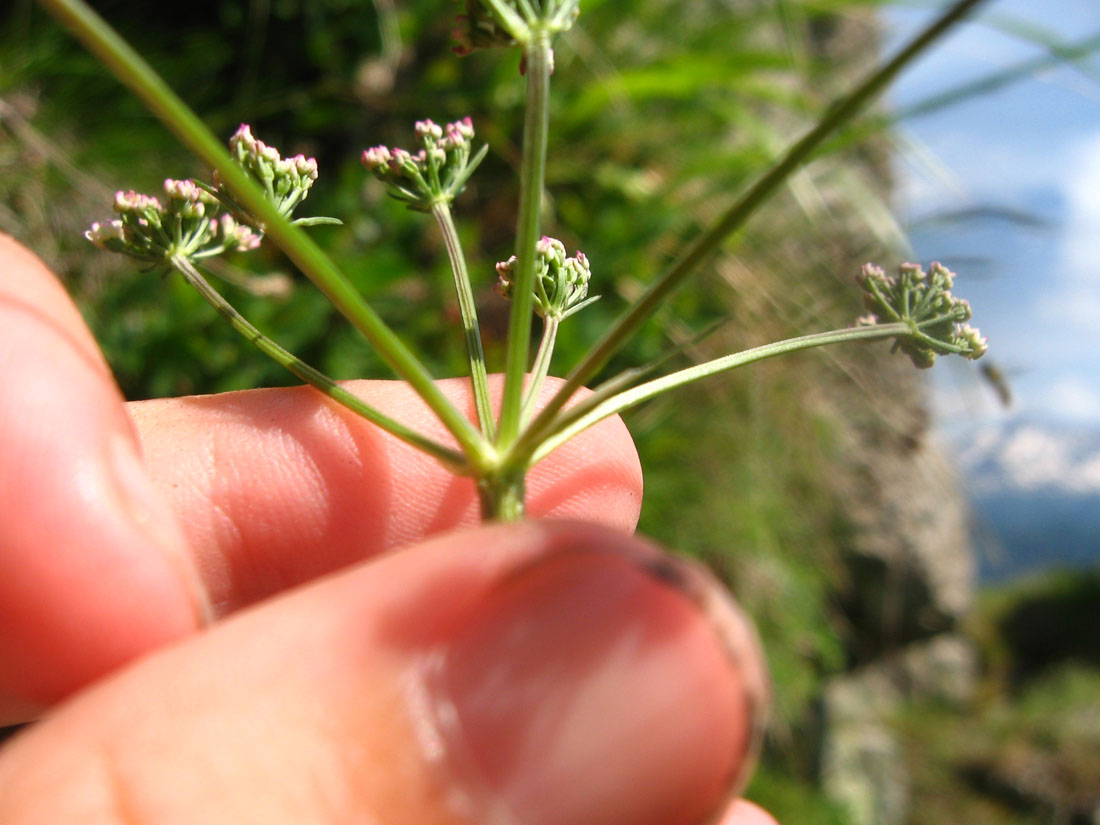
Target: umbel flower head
{"x": 481, "y": 27}
{"x": 196, "y": 220}
{"x": 561, "y": 283}
{"x": 285, "y": 181}
{"x": 923, "y": 300}
{"x": 186, "y": 224}
{"x": 436, "y": 173}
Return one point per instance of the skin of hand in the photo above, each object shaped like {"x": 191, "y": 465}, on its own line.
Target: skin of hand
{"x": 199, "y": 603}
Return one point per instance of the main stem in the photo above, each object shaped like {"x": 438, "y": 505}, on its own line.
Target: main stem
{"x": 536, "y": 125}
{"x": 468, "y": 310}
{"x": 502, "y": 494}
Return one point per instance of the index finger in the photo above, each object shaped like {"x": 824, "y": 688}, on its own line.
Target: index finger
{"x": 106, "y": 554}
{"x": 276, "y": 487}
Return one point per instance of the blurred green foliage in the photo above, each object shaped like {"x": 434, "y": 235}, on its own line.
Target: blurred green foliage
{"x": 661, "y": 112}
{"x": 1027, "y": 752}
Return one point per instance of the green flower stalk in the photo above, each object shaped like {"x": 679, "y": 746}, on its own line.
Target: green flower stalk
{"x": 285, "y": 181}
{"x": 427, "y": 182}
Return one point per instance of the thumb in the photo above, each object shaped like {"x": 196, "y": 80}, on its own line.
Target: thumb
{"x": 541, "y": 673}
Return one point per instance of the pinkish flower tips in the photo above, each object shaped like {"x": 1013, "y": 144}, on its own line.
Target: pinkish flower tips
{"x": 922, "y": 301}
{"x": 131, "y": 201}
{"x": 188, "y": 222}
{"x": 305, "y": 167}
{"x": 562, "y": 283}
{"x": 377, "y": 158}
{"x": 102, "y": 234}
{"x": 285, "y": 180}
{"x": 462, "y": 128}
{"x": 434, "y": 173}
{"x": 242, "y": 135}
{"x": 428, "y": 130}
{"x": 237, "y": 235}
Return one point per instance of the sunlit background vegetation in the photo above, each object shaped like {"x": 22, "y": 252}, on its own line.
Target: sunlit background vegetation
{"x": 662, "y": 111}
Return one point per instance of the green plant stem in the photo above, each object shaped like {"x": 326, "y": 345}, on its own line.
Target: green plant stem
{"x": 532, "y": 177}
{"x": 841, "y": 112}
{"x": 450, "y": 458}
{"x": 468, "y": 310}
{"x": 542, "y": 364}
{"x": 501, "y": 493}
{"x": 585, "y": 414}
{"x": 132, "y": 70}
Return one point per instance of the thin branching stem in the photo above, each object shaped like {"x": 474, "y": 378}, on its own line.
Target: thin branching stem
{"x": 584, "y": 415}
{"x": 541, "y": 367}
{"x": 449, "y": 457}
{"x": 839, "y": 114}
{"x": 467, "y": 308}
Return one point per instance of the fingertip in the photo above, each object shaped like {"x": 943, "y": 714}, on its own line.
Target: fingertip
{"x": 92, "y": 569}
{"x": 743, "y": 812}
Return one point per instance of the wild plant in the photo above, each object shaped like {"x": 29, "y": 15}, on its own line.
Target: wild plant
{"x": 255, "y": 192}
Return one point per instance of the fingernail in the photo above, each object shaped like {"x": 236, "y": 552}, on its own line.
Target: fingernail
{"x": 152, "y": 516}
{"x": 598, "y": 687}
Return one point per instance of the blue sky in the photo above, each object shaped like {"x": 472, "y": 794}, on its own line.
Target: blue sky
{"x": 1032, "y": 148}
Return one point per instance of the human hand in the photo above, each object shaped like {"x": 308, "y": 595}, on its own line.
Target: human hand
{"x": 545, "y": 672}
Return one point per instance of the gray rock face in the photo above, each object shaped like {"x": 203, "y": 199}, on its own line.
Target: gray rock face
{"x": 861, "y": 761}
{"x": 862, "y": 764}
{"x": 909, "y": 559}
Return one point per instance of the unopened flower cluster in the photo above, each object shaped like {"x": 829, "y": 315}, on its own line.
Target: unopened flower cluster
{"x": 186, "y": 224}
{"x": 435, "y": 173}
{"x": 937, "y": 319}
{"x": 286, "y": 181}
{"x": 561, "y": 283}
{"x": 196, "y": 221}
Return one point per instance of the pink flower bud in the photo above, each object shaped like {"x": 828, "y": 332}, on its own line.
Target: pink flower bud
{"x": 376, "y": 158}
{"x": 428, "y": 129}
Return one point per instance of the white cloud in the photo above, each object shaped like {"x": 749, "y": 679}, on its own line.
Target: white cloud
{"x": 1081, "y": 243}
{"x": 1074, "y": 397}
